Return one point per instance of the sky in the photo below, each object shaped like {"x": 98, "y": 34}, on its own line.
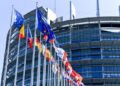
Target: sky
{"x": 84, "y": 8}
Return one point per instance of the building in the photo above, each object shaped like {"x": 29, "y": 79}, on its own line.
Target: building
{"x": 20, "y": 63}
{"x": 93, "y": 46}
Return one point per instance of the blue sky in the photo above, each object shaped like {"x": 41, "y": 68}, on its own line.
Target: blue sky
{"x": 84, "y": 8}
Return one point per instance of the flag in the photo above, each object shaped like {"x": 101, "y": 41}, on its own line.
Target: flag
{"x": 40, "y": 22}
{"x": 38, "y": 44}
{"x": 68, "y": 66}
{"x": 47, "y": 55}
{"x": 55, "y": 68}
{"x": 77, "y": 78}
{"x": 22, "y": 32}
{"x": 44, "y": 27}
{"x": 30, "y": 39}
{"x": 60, "y": 53}
{"x": 18, "y": 22}
{"x": 18, "y": 19}
{"x": 65, "y": 75}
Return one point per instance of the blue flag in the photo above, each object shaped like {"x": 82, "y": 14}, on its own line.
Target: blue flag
{"x": 18, "y": 20}
{"x": 43, "y": 26}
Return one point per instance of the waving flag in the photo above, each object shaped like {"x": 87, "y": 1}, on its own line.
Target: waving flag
{"x": 48, "y": 55}
{"x": 65, "y": 75}
{"x": 44, "y": 27}
{"x": 22, "y": 32}
{"x": 55, "y": 68}
{"x": 30, "y": 39}
{"x": 60, "y": 53}
{"x": 18, "y": 22}
{"x": 18, "y": 19}
{"x": 38, "y": 44}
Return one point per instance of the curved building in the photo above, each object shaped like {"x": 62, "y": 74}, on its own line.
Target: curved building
{"x": 93, "y": 46}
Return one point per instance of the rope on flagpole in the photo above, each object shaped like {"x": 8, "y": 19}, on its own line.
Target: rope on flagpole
{"x": 8, "y": 48}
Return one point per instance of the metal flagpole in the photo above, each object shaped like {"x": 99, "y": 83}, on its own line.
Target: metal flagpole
{"x": 17, "y": 59}
{"x": 70, "y": 10}
{"x": 49, "y": 78}
{"x": 58, "y": 75}
{"x": 50, "y": 66}
{"x": 54, "y": 74}
{"x": 23, "y": 80}
{"x": 58, "y": 84}
{"x": 44, "y": 70}
{"x": 55, "y": 6}
{"x": 98, "y": 10}
{"x": 39, "y": 66}
{"x": 33, "y": 56}
{"x": 33, "y": 62}
{"x": 119, "y": 10}
{"x": 64, "y": 81}
{"x": 70, "y": 31}
{"x": 48, "y": 75}
{"x": 99, "y": 26}
{"x": 61, "y": 72}
{"x": 8, "y": 48}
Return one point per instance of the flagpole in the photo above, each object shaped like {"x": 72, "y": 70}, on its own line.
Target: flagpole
{"x": 50, "y": 65}
{"x": 44, "y": 69}
{"x": 70, "y": 30}
{"x": 64, "y": 81}
{"x": 55, "y": 6}
{"x": 8, "y": 48}
{"x": 39, "y": 67}
{"x": 48, "y": 79}
{"x": 58, "y": 74}
{"x": 70, "y": 10}
{"x": 54, "y": 74}
{"x": 17, "y": 59}
{"x": 48, "y": 75}
{"x": 33, "y": 56}
{"x": 61, "y": 73}
{"x": 23, "y": 80}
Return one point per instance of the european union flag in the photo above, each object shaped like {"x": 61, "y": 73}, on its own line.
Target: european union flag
{"x": 43, "y": 26}
{"x": 18, "y": 19}
{"x": 40, "y": 25}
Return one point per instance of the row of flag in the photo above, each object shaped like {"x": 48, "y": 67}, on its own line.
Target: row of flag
{"x": 49, "y": 37}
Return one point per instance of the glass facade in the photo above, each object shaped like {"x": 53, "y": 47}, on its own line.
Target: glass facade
{"x": 94, "y": 51}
